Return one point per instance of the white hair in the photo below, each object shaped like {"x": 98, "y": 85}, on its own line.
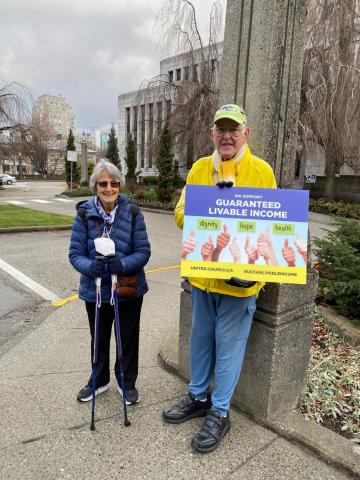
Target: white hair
{"x": 108, "y": 167}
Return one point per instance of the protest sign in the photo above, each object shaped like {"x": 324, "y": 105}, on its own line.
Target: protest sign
{"x": 250, "y": 233}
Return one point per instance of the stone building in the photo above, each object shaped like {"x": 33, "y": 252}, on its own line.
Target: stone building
{"x": 53, "y": 113}
{"x": 143, "y": 112}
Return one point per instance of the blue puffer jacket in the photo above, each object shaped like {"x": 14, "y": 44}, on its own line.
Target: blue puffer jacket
{"x": 82, "y": 249}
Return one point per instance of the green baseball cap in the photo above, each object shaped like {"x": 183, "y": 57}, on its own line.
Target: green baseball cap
{"x": 232, "y": 111}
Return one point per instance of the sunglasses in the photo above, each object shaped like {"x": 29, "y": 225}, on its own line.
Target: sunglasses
{"x": 113, "y": 184}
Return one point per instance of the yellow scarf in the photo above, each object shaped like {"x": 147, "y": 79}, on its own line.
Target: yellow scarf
{"x": 227, "y": 171}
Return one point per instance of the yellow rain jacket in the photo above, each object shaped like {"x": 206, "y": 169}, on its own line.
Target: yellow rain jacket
{"x": 250, "y": 171}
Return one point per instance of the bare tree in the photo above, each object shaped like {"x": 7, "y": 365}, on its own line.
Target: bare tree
{"x": 37, "y": 144}
{"x": 330, "y": 106}
{"x": 189, "y": 95}
{"x": 14, "y": 111}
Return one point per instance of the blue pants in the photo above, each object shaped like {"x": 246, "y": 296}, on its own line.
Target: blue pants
{"x": 220, "y": 329}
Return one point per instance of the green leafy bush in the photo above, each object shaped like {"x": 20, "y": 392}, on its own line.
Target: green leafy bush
{"x": 150, "y": 194}
{"x": 151, "y": 180}
{"x": 78, "y": 192}
{"x": 339, "y": 209}
{"x": 338, "y": 254}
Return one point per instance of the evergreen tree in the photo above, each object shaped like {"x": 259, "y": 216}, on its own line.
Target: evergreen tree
{"x": 164, "y": 164}
{"x": 112, "y": 153}
{"x": 70, "y": 145}
{"x": 177, "y": 179}
{"x": 130, "y": 160}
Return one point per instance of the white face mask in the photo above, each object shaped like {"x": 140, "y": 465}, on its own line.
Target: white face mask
{"x": 105, "y": 246}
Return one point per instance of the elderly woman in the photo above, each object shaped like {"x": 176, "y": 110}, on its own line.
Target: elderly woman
{"x": 110, "y": 214}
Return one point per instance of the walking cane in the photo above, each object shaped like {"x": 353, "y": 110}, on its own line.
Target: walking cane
{"x": 95, "y": 353}
{"x": 120, "y": 358}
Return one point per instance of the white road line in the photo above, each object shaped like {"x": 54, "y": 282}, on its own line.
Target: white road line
{"x": 16, "y": 202}
{"x": 37, "y": 200}
{"x": 63, "y": 200}
{"x": 34, "y": 286}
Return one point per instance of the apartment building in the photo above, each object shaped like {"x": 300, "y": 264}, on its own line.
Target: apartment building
{"x": 53, "y": 113}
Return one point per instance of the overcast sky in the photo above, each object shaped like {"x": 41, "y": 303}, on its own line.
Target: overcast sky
{"x": 88, "y": 50}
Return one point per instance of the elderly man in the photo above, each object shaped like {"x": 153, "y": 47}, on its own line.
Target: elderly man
{"x": 222, "y": 311}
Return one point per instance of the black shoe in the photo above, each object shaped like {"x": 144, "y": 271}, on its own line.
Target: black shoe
{"x": 85, "y": 394}
{"x": 214, "y": 429}
{"x": 131, "y": 395}
{"x": 186, "y": 409}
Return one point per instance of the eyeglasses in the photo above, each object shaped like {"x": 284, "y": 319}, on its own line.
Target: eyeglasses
{"x": 233, "y": 131}
{"x": 104, "y": 184}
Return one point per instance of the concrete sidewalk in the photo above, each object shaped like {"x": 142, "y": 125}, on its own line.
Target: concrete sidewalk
{"x": 46, "y": 435}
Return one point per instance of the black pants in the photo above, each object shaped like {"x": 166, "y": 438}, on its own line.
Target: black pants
{"x": 129, "y": 315}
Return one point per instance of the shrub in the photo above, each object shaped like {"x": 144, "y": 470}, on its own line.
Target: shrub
{"x": 150, "y": 194}
{"x": 339, "y": 266}
{"x": 78, "y": 192}
{"x": 151, "y": 180}
{"x": 340, "y": 209}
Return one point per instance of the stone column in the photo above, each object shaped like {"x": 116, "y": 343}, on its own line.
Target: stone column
{"x": 261, "y": 69}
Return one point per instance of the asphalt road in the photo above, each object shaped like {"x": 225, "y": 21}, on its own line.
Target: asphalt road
{"x": 39, "y": 195}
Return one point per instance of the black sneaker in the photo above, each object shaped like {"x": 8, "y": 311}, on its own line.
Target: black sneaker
{"x": 85, "y": 394}
{"x": 212, "y": 432}
{"x": 186, "y": 409}
{"x": 131, "y": 395}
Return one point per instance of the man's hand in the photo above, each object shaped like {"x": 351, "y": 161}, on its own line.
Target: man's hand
{"x": 234, "y": 249}
{"x": 189, "y": 245}
{"x": 207, "y": 250}
{"x": 251, "y": 251}
{"x": 288, "y": 254}
{"x": 222, "y": 241}
{"x": 301, "y": 247}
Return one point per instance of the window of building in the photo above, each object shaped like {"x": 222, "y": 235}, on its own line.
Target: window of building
{"x": 195, "y": 73}
{"x": 168, "y": 109}
{"x": 142, "y": 133}
{"x": 186, "y": 72}
{"x": 159, "y": 116}
{"x": 171, "y": 76}
{"x": 151, "y": 134}
{"x": 178, "y": 74}
{"x": 135, "y": 124}
{"x": 127, "y": 117}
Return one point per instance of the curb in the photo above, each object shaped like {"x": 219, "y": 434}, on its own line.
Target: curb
{"x": 35, "y": 229}
{"x": 328, "y": 445}
{"x": 340, "y": 325}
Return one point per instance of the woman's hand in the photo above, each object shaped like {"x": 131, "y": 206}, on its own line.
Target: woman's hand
{"x": 115, "y": 264}
{"x": 98, "y": 267}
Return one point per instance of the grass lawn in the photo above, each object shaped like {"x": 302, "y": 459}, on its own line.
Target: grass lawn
{"x": 12, "y": 216}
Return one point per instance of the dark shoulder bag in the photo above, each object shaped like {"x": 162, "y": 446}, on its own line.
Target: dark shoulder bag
{"x": 127, "y": 284}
